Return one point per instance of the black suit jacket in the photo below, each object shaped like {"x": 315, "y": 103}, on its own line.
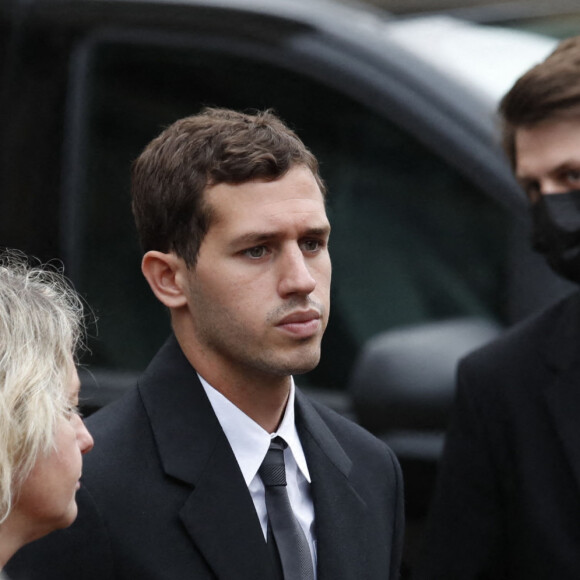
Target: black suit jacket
{"x": 508, "y": 500}
{"x": 163, "y": 496}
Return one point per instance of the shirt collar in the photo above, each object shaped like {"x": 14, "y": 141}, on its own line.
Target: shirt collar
{"x": 248, "y": 440}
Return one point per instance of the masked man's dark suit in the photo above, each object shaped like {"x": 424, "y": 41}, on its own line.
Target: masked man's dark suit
{"x": 163, "y": 496}
{"x": 508, "y": 502}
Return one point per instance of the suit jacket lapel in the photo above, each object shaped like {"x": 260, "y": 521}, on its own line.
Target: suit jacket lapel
{"x": 340, "y": 513}
{"x": 221, "y": 518}
{"x": 563, "y": 393}
{"x": 219, "y": 515}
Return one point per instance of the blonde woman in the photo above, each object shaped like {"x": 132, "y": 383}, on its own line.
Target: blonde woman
{"x": 42, "y": 437}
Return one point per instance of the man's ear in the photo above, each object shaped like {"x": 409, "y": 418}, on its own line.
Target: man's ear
{"x": 166, "y": 274}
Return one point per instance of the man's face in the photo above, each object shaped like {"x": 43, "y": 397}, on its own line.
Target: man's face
{"x": 548, "y": 157}
{"x": 259, "y": 294}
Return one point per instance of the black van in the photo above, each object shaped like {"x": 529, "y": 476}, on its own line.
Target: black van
{"x": 429, "y": 244}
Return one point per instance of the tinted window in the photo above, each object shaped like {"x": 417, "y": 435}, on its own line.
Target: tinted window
{"x": 412, "y": 240}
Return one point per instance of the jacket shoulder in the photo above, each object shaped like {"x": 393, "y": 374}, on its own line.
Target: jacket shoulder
{"x": 354, "y": 439}
{"x": 557, "y": 323}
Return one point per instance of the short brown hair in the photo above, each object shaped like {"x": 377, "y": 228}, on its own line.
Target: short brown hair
{"x": 216, "y": 146}
{"x": 549, "y": 90}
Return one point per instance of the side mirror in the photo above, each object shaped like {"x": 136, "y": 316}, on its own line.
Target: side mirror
{"x": 402, "y": 389}
{"x": 404, "y": 378}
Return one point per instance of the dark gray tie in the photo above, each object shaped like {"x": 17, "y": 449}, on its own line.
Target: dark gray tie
{"x": 289, "y": 537}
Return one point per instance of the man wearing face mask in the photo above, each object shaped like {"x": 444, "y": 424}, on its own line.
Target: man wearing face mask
{"x": 507, "y": 505}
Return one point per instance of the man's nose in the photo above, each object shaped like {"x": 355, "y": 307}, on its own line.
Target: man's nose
{"x": 295, "y": 274}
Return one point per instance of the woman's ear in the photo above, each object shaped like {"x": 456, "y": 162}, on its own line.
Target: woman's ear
{"x": 165, "y": 274}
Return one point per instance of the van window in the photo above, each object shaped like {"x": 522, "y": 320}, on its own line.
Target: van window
{"x": 412, "y": 240}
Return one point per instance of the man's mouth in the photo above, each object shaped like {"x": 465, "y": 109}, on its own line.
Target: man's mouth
{"x": 301, "y": 324}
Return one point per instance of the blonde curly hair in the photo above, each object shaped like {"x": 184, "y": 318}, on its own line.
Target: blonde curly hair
{"x": 41, "y": 328}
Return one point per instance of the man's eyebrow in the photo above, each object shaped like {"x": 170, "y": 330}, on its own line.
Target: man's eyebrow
{"x": 568, "y": 165}
{"x": 321, "y": 231}
{"x": 255, "y": 238}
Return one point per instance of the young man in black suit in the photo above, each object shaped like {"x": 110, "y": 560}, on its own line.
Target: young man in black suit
{"x": 231, "y": 214}
{"x": 508, "y": 499}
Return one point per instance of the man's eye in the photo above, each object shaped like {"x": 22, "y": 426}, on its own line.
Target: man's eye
{"x": 255, "y": 252}
{"x": 311, "y": 245}
{"x": 573, "y": 176}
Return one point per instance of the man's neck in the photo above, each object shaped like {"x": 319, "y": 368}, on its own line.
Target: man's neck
{"x": 264, "y": 404}
{"x": 262, "y": 396}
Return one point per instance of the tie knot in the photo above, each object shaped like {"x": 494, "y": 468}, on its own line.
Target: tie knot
{"x": 273, "y": 470}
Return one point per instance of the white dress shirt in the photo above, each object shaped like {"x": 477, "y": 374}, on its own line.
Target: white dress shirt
{"x": 250, "y": 442}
